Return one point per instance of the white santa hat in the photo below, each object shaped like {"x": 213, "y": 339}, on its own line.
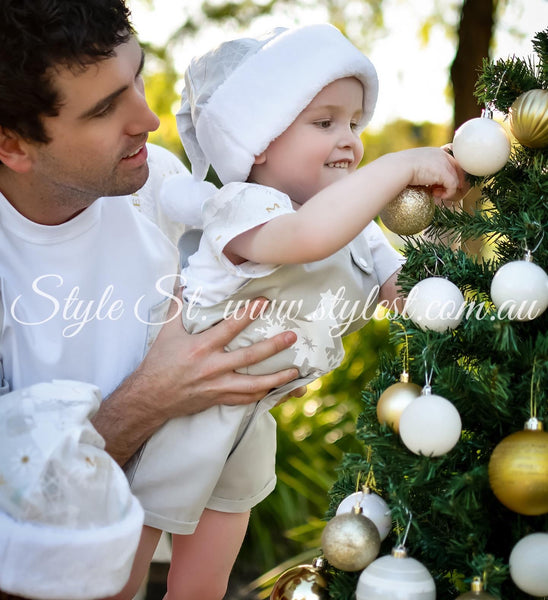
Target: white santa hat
{"x": 246, "y": 92}
{"x": 69, "y": 524}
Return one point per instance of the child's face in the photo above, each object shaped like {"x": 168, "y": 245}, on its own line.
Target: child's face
{"x": 319, "y": 147}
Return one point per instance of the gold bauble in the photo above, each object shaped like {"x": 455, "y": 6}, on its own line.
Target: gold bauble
{"x": 476, "y": 592}
{"x": 395, "y": 399}
{"x": 304, "y": 582}
{"x": 410, "y": 212}
{"x": 518, "y": 470}
{"x": 350, "y": 541}
{"x": 529, "y": 118}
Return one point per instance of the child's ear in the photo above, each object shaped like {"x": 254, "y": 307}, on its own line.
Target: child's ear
{"x": 14, "y": 152}
{"x": 261, "y": 159}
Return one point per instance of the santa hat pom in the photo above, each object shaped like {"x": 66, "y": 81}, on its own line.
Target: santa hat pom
{"x": 182, "y": 197}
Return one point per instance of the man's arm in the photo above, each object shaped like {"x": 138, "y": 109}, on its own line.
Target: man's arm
{"x": 183, "y": 374}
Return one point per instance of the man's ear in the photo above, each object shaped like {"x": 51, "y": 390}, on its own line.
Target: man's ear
{"x": 261, "y": 159}
{"x": 14, "y": 151}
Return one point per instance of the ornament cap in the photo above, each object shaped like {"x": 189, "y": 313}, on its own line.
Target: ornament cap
{"x": 486, "y": 113}
{"x": 427, "y": 390}
{"x": 528, "y": 257}
{"x": 477, "y": 585}
{"x": 318, "y": 563}
{"x": 404, "y": 377}
{"x": 399, "y": 552}
{"x": 533, "y": 424}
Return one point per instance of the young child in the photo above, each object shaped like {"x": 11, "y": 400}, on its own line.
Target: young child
{"x": 279, "y": 120}
{"x": 68, "y": 521}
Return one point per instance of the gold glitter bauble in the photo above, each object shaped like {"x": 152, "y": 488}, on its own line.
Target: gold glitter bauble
{"x": 350, "y": 541}
{"x": 304, "y": 582}
{"x": 529, "y": 118}
{"x": 476, "y": 592}
{"x": 394, "y": 400}
{"x": 518, "y": 470}
{"x": 410, "y": 212}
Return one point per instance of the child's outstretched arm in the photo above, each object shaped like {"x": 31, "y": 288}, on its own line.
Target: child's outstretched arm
{"x": 338, "y": 213}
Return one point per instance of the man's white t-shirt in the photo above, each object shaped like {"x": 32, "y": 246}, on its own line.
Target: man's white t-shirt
{"x": 83, "y": 300}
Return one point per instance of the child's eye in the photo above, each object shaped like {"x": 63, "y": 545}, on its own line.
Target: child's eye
{"x": 323, "y": 124}
{"x": 353, "y": 126}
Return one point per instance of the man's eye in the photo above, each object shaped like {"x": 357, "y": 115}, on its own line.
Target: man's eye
{"x": 104, "y": 111}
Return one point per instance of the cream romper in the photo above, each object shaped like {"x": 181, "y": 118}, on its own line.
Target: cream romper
{"x": 224, "y": 457}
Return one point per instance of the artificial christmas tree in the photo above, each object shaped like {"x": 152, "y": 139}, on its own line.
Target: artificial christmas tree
{"x": 492, "y": 366}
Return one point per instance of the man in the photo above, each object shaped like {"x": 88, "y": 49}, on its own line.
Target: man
{"x": 85, "y": 277}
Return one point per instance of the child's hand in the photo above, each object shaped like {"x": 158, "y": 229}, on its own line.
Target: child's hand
{"x": 436, "y": 168}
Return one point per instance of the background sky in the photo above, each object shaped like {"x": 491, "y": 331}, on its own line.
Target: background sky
{"x": 413, "y": 76}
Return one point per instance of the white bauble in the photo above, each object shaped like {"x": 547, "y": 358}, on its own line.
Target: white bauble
{"x": 373, "y": 507}
{"x": 396, "y": 576}
{"x": 529, "y": 564}
{"x": 519, "y": 290}
{"x": 435, "y": 303}
{"x": 430, "y": 425}
{"x": 481, "y": 146}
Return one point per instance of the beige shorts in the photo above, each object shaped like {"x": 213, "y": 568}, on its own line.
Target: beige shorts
{"x": 222, "y": 459}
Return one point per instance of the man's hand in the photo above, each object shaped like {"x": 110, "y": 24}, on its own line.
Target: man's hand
{"x": 183, "y": 374}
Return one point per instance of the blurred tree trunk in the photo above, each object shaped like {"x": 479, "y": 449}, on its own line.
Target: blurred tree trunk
{"x": 475, "y": 32}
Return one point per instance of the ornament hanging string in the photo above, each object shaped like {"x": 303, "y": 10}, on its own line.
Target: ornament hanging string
{"x": 437, "y": 261}
{"x": 370, "y": 481}
{"x": 358, "y": 481}
{"x": 490, "y": 104}
{"x": 533, "y": 401}
{"x": 539, "y": 234}
{"x": 405, "y": 348}
{"x": 428, "y": 374}
{"x": 401, "y": 545}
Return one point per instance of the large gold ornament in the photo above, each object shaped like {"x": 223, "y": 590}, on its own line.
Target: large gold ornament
{"x": 410, "y": 212}
{"x": 476, "y": 592}
{"x": 529, "y": 118}
{"x": 518, "y": 470}
{"x": 304, "y": 582}
{"x": 395, "y": 399}
{"x": 350, "y": 541}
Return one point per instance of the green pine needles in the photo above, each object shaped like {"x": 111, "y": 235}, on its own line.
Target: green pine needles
{"x": 485, "y": 367}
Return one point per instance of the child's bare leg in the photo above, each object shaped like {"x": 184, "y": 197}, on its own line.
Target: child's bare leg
{"x": 147, "y": 545}
{"x": 201, "y": 563}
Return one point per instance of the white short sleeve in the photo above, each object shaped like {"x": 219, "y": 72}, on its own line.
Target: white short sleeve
{"x": 236, "y": 208}
{"x": 386, "y": 259}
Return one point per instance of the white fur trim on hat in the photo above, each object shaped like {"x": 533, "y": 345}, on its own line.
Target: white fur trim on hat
{"x": 244, "y": 94}
{"x": 40, "y": 561}
{"x": 69, "y": 523}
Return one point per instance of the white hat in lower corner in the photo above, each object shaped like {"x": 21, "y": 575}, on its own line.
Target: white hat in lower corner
{"x": 69, "y": 525}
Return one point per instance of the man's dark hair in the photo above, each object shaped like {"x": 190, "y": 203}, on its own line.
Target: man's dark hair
{"x": 38, "y": 35}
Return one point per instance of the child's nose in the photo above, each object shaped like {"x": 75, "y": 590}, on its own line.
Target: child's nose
{"x": 347, "y": 138}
